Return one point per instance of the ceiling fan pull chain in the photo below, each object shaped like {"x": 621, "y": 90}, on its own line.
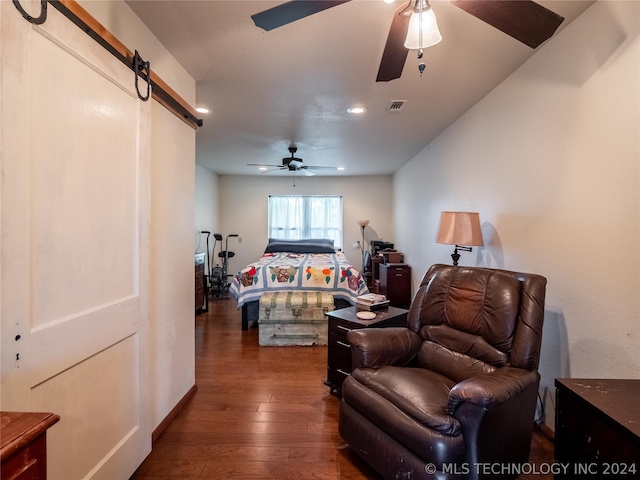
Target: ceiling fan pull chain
{"x": 421, "y": 65}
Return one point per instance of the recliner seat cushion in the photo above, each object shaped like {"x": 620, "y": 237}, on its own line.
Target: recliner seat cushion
{"x": 409, "y": 404}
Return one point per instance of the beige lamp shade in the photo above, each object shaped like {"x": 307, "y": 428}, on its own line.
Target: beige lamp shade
{"x": 363, "y": 223}
{"x": 460, "y": 228}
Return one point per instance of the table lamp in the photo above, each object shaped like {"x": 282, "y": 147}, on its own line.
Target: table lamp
{"x": 461, "y": 229}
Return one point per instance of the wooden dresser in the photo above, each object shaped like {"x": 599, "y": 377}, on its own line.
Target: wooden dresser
{"x": 201, "y": 300}
{"x": 395, "y": 283}
{"x": 598, "y": 428}
{"x": 23, "y": 445}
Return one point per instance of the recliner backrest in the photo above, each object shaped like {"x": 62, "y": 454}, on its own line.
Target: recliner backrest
{"x": 474, "y": 319}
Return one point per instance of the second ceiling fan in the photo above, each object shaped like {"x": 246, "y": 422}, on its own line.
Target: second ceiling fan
{"x": 292, "y": 164}
{"x": 524, "y": 20}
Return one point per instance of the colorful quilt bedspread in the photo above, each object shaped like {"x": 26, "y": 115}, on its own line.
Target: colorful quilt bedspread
{"x": 299, "y": 271}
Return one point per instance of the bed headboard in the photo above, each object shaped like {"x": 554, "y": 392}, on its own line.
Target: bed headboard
{"x": 308, "y": 245}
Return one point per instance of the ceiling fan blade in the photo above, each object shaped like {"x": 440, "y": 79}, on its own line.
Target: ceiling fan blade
{"x": 263, "y": 165}
{"x": 316, "y": 167}
{"x": 277, "y": 169}
{"x": 524, "y": 20}
{"x": 395, "y": 53}
{"x": 291, "y": 11}
{"x": 305, "y": 171}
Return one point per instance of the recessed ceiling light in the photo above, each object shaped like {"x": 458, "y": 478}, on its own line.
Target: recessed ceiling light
{"x": 358, "y": 109}
{"x": 262, "y": 168}
{"x": 340, "y": 168}
{"x": 202, "y": 110}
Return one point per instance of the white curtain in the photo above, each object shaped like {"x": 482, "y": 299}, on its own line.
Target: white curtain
{"x": 295, "y": 217}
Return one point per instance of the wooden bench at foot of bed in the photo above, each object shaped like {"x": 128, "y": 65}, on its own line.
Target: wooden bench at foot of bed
{"x": 251, "y": 311}
{"x": 289, "y": 318}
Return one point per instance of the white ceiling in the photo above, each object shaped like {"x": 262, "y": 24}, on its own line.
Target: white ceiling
{"x": 293, "y": 85}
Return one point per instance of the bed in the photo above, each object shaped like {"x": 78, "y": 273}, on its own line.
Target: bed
{"x": 311, "y": 264}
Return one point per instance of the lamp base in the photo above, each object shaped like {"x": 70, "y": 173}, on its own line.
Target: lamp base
{"x": 455, "y": 256}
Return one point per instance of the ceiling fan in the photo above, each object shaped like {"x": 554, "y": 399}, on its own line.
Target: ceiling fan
{"x": 524, "y": 20}
{"x": 292, "y": 164}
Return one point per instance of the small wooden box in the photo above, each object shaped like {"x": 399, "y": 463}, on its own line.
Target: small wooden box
{"x": 393, "y": 257}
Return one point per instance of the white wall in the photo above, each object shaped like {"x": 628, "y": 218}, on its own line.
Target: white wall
{"x": 206, "y": 207}
{"x": 551, "y": 159}
{"x": 243, "y": 210}
{"x": 170, "y": 331}
{"x": 168, "y": 335}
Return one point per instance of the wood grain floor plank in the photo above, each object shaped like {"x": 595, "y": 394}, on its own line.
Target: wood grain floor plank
{"x": 261, "y": 413}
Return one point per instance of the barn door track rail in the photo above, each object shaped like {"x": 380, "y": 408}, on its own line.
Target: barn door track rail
{"x": 156, "y": 87}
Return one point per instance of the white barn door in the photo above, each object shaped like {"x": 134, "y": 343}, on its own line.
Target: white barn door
{"x": 74, "y": 244}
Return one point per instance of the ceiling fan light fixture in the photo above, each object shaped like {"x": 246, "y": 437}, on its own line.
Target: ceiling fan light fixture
{"x": 430, "y": 32}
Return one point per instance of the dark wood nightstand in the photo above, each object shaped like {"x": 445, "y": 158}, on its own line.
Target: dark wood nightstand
{"x": 343, "y": 321}
{"x": 395, "y": 283}
{"x": 597, "y": 428}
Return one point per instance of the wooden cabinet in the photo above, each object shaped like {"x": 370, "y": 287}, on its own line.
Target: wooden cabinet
{"x": 372, "y": 273}
{"x": 372, "y": 270}
{"x": 597, "y": 428}
{"x": 201, "y": 299}
{"x": 23, "y": 449}
{"x": 395, "y": 283}
{"x": 339, "y": 352}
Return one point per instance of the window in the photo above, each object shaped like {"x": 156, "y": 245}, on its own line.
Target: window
{"x": 295, "y": 217}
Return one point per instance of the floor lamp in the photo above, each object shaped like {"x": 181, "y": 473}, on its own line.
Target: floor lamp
{"x": 363, "y": 223}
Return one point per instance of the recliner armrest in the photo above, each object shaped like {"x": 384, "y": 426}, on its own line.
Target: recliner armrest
{"x": 490, "y": 389}
{"x": 376, "y": 347}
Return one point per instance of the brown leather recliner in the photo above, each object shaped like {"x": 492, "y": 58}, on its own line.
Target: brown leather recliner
{"x": 454, "y": 394}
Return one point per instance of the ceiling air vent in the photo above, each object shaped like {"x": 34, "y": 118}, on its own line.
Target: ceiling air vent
{"x": 396, "y": 105}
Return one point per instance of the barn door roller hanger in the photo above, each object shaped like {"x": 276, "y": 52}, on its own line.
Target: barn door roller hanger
{"x": 161, "y": 91}
{"x": 35, "y": 20}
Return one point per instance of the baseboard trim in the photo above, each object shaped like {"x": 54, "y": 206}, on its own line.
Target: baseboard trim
{"x": 173, "y": 413}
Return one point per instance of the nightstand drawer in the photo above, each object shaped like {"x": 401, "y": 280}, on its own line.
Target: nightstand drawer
{"x": 339, "y": 342}
{"x": 341, "y": 322}
{"x": 338, "y": 367}
{"x": 342, "y": 327}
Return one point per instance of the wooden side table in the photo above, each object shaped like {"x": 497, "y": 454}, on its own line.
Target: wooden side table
{"x": 598, "y": 428}
{"x": 341, "y": 322}
{"x": 23, "y": 445}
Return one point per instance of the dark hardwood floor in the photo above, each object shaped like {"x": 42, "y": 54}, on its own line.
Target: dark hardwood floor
{"x": 261, "y": 413}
